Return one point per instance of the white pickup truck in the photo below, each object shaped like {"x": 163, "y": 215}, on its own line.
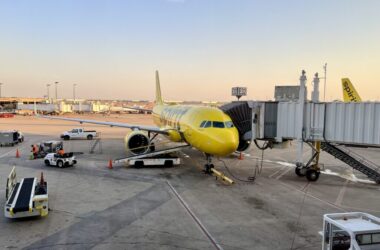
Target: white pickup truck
{"x": 79, "y": 133}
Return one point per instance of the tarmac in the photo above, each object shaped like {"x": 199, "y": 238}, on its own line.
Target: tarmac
{"x": 93, "y": 207}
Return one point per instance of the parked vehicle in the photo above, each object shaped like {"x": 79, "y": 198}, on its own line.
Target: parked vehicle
{"x": 60, "y": 160}
{"x": 9, "y": 138}
{"x": 26, "y": 198}
{"x": 20, "y": 136}
{"x": 353, "y": 231}
{"x": 40, "y": 150}
{"x": 79, "y": 133}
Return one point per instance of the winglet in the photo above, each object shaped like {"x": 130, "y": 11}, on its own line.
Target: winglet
{"x": 158, "y": 89}
{"x": 349, "y": 92}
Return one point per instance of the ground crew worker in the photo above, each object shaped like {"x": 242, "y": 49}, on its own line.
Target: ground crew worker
{"x": 61, "y": 152}
{"x": 35, "y": 151}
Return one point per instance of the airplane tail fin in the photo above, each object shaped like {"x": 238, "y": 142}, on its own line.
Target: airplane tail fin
{"x": 158, "y": 90}
{"x": 349, "y": 92}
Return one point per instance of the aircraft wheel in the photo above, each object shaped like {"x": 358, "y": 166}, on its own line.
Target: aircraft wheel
{"x": 312, "y": 175}
{"x": 299, "y": 173}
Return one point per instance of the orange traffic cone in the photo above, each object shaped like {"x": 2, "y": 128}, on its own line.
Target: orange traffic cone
{"x": 110, "y": 164}
{"x": 241, "y": 157}
{"x": 17, "y": 154}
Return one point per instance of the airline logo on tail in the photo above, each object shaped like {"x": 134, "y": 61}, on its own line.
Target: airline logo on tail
{"x": 349, "y": 92}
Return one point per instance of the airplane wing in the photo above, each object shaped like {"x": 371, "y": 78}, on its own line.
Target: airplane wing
{"x": 140, "y": 109}
{"x": 111, "y": 124}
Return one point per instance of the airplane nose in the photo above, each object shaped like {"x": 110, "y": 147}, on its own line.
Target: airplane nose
{"x": 231, "y": 145}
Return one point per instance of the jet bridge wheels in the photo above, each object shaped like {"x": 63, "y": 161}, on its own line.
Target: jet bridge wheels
{"x": 311, "y": 173}
{"x": 299, "y": 172}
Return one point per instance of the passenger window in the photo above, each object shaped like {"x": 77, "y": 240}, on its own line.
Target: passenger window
{"x": 229, "y": 124}
{"x": 208, "y": 124}
{"x": 202, "y": 124}
{"x": 218, "y": 124}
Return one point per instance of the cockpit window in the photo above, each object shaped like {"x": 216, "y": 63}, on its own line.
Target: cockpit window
{"x": 202, "y": 124}
{"x": 207, "y": 125}
{"x": 218, "y": 124}
{"x": 229, "y": 124}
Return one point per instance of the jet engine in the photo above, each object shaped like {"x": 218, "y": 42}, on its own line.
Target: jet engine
{"x": 137, "y": 142}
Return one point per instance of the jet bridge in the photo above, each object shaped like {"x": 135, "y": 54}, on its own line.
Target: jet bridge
{"x": 328, "y": 126}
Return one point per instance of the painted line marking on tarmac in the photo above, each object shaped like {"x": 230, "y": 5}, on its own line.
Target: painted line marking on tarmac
{"x": 7, "y": 153}
{"x": 276, "y": 172}
{"x": 312, "y": 196}
{"x": 283, "y": 173}
{"x": 195, "y": 218}
{"x": 342, "y": 191}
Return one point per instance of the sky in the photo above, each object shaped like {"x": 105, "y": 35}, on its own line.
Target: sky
{"x": 202, "y": 48}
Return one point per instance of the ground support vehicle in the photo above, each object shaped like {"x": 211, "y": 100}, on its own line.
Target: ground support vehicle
{"x": 79, "y": 133}
{"x": 167, "y": 160}
{"x": 164, "y": 157}
{"x": 26, "y": 198}
{"x": 10, "y": 138}
{"x": 45, "y": 148}
{"x": 350, "y": 231}
{"x": 64, "y": 160}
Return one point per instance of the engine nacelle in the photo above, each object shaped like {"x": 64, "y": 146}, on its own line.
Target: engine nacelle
{"x": 137, "y": 142}
{"x": 174, "y": 135}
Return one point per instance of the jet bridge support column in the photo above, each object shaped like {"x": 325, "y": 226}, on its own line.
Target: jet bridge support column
{"x": 311, "y": 169}
{"x": 316, "y": 144}
{"x": 300, "y": 114}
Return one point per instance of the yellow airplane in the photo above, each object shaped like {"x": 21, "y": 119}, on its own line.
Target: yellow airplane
{"x": 207, "y": 129}
{"x": 349, "y": 92}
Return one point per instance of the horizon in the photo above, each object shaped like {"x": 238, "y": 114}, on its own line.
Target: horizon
{"x": 202, "y": 49}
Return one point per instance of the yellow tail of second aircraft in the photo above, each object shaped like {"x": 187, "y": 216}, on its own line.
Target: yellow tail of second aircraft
{"x": 349, "y": 92}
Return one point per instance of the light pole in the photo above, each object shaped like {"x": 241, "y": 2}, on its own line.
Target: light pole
{"x": 1, "y": 84}
{"x": 48, "y": 91}
{"x": 56, "y": 91}
{"x": 324, "y": 78}
{"x": 74, "y": 85}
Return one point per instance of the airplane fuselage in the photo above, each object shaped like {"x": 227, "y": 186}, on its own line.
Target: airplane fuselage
{"x": 207, "y": 129}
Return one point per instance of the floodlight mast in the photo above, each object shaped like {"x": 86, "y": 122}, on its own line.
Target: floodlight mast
{"x": 239, "y": 92}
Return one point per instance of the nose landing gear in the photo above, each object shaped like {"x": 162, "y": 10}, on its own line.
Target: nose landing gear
{"x": 209, "y": 169}
{"x": 208, "y": 166}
